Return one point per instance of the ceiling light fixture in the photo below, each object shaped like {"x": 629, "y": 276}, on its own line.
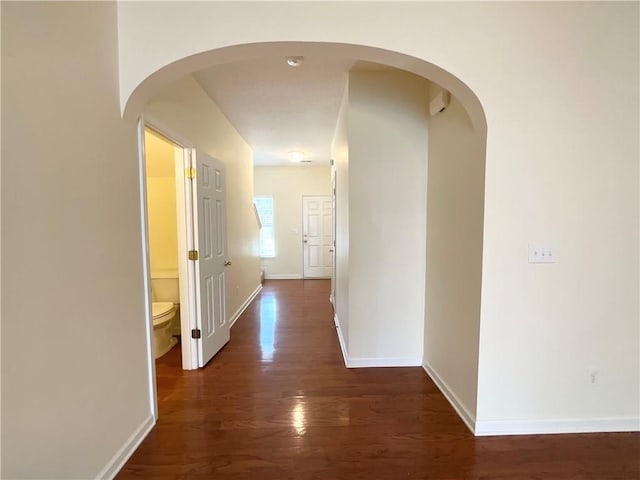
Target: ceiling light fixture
{"x": 294, "y": 61}
{"x": 296, "y": 156}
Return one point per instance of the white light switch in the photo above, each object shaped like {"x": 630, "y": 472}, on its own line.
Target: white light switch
{"x": 541, "y": 254}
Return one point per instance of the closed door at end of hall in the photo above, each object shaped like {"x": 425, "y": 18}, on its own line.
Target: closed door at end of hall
{"x": 317, "y": 225}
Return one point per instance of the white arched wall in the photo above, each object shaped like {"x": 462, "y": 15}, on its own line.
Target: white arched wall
{"x": 561, "y": 168}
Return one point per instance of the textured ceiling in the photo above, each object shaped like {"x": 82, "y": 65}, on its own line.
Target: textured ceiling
{"x": 277, "y": 108}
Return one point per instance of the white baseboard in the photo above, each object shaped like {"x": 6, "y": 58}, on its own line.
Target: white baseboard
{"x": 462, "y": 411}
{"x": 485, "y": 428}
{"x": 244, "y": 306}
{"x": 365, "y": 362}
{"x": 343, "y": 346}
{"x": 283, "y": 276}
{"x": 116, "y": 463}
{"x": 360, "y": 362}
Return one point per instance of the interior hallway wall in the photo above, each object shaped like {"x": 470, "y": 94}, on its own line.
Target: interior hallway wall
{"x": 340, "y": 154}
{"x": 387, "y": 141}
{"x": 75, "y": 378}
{"x": 188, "y": 111}
{"x": 455, "y": 203}
{"x": 287, "y": 185}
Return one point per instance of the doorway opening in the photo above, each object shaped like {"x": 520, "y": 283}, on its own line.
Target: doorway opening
{"x": 184, "y": 212}
{"x": 166, "y": 208}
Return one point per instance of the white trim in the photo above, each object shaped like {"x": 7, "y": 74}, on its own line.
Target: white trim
{"x": 146, "y": 269}
{"x": 529, "y": 427}
{"x": 283, "y": 276}
{"x": 365, "y": 362}
{"x": 244, "y": 306}
{"x": 343, "y": 346}
{"x": 466, "y": 416}
{"x": 481, "y": 428}
{"x": 123, "y": 454}
{"x": 165, "y": 131}
{"x": 188, "y": 305}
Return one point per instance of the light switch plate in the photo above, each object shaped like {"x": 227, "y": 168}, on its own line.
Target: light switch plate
{"x": 541, "y": 254}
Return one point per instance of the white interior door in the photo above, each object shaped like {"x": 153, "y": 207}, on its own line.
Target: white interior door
{"x": 210, "y": 213}
{"x": 317, "y": 227}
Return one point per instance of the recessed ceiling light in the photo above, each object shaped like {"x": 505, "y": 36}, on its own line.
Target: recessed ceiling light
{"x": 294, "y": 61}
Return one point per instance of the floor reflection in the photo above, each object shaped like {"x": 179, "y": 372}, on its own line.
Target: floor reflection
{"x": 298, "y": 417}
{"x": 268, "y": 318}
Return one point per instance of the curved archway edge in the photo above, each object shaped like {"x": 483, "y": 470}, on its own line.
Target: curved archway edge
{"x": 164, "y": 76}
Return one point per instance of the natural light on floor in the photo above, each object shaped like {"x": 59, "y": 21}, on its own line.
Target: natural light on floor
{"x": 268, "y": 316}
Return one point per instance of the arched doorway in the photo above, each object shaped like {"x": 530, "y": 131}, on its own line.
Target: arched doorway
{"x": 453, "y": 267}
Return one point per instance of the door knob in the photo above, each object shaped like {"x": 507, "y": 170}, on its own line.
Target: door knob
{"x": 227, "y": 263}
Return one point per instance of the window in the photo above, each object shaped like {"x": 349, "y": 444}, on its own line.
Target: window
{"x": 264, "y": 205}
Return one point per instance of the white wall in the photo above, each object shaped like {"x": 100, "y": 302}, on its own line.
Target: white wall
{"x": 75, "y": 384}
{"x": 287, "y": 185}
{"x": 565, "y": 172}
{"x": 340, "y": 155}
{"x": 455, "y": 201}
{"x": 387, "y": 136}
{"x": 186, "y": 110}
{"x": 561, "y": 167}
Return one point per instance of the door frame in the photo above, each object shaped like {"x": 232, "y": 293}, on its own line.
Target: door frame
{"x": 332, "y": 295}
{"x": 186, "y": 234}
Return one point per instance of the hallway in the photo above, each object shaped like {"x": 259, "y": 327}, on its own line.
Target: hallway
{"x": 278, "y": 403}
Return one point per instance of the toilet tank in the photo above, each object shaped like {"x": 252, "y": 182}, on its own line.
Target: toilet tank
{"x": 164, "y": 286}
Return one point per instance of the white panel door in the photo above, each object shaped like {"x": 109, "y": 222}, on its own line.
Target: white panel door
{"x": 317, "y": 228}
{"x": 209, "y": 199}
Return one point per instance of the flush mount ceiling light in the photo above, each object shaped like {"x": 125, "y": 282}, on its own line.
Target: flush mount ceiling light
{"x": 296, "y": 156}
{"x": 294, "y": 61}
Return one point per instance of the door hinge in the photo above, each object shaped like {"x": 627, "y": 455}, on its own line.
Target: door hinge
{"x": 190, "y": 172}
{"x": 193, "y": 255}
{"x": 196, "y": 333}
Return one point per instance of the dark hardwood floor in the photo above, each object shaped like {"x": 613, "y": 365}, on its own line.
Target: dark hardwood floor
{"x": 278, "y": 403}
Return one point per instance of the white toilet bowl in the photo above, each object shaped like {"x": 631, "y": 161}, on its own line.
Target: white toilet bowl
{"x": 163, "y": 341}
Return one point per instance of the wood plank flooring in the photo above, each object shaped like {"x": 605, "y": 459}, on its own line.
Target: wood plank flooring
{"x": 278, "y": 403}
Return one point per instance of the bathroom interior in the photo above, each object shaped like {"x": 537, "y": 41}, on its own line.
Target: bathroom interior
{"x": 163, "y": 241}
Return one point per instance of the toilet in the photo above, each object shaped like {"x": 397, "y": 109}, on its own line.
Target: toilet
{"x": 163, "y": 314}
{"x": 165, "y": 310}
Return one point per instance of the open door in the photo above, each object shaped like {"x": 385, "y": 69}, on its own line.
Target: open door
{"x": 212, "y": 331}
